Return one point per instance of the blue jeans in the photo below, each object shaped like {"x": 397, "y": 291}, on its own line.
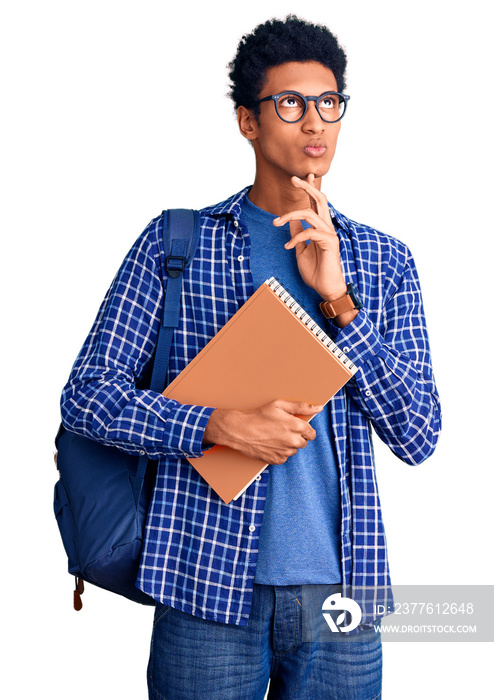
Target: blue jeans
{"x": 192, "y": 658}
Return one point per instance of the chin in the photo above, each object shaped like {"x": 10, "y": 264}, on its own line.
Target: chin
{"x": 317, "y": 170}
{"x": 314, "y": 167}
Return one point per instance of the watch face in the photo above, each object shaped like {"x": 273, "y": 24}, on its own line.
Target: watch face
{"x": 355, "y": 296}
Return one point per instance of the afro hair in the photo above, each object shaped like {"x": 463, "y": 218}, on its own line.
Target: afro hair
{"x": 276, "y": 42}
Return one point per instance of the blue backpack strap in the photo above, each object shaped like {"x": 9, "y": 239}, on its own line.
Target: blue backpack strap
{"x": 181, "y": 230}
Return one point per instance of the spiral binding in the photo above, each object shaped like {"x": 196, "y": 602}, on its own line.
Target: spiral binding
{"x": 309, "y": 322}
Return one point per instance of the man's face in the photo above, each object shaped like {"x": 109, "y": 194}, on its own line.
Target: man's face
{"x": 308, "y": 146}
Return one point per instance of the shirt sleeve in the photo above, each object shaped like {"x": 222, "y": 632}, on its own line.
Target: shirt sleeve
{"x": 395, "y": 386}
{"x": 101, "y": 399}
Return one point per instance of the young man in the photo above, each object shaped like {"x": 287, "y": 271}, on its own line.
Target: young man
{"x": 231, "y": 595}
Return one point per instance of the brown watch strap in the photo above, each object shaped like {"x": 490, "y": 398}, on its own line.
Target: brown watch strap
{"x": 331, "y": 309}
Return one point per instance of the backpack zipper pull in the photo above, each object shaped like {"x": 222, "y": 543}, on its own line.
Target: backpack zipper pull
{"x": 79, "y": 590}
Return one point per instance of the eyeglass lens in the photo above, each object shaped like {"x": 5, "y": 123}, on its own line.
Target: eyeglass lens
{"x": 291, "y": 107}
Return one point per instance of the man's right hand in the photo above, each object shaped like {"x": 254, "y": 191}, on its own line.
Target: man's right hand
{"x": 271, "y": 433}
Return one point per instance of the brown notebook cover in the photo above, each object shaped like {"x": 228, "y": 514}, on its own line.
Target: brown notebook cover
{"x": 270, "y": 349}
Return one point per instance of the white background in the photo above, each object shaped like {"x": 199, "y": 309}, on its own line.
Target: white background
{"x": 115, "y": 110}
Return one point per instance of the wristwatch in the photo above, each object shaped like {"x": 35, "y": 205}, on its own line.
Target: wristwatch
{"x": 350, "y": 301}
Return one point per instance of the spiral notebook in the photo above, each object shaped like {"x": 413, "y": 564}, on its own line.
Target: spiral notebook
{"x": 270, "y": 349}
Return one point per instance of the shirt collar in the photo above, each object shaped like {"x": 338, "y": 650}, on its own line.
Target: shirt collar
{"x": 233, "y": 206}
{"x": 341, "y": 220}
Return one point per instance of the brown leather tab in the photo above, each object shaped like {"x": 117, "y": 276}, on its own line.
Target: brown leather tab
{"x": 79, "y": 590}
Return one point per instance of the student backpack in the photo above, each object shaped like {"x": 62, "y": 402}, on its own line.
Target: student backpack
{"x": 102, "y": 495}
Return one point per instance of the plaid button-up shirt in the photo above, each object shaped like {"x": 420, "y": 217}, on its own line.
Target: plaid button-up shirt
{"x": 200, "y": 554}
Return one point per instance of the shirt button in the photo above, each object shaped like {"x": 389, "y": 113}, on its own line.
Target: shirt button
{"x": 258, "y": 478}
{"x": 346, "y": 349}
{"x": 142, "y": 453}
{"x": 235, "y": 223}
{"x": 240, "y": 258}
{"x": 368, "y": 393}
{"x": 252, "y": 528}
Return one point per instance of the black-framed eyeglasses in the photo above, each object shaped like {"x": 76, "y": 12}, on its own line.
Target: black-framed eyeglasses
{"x": 292, "y": 107}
